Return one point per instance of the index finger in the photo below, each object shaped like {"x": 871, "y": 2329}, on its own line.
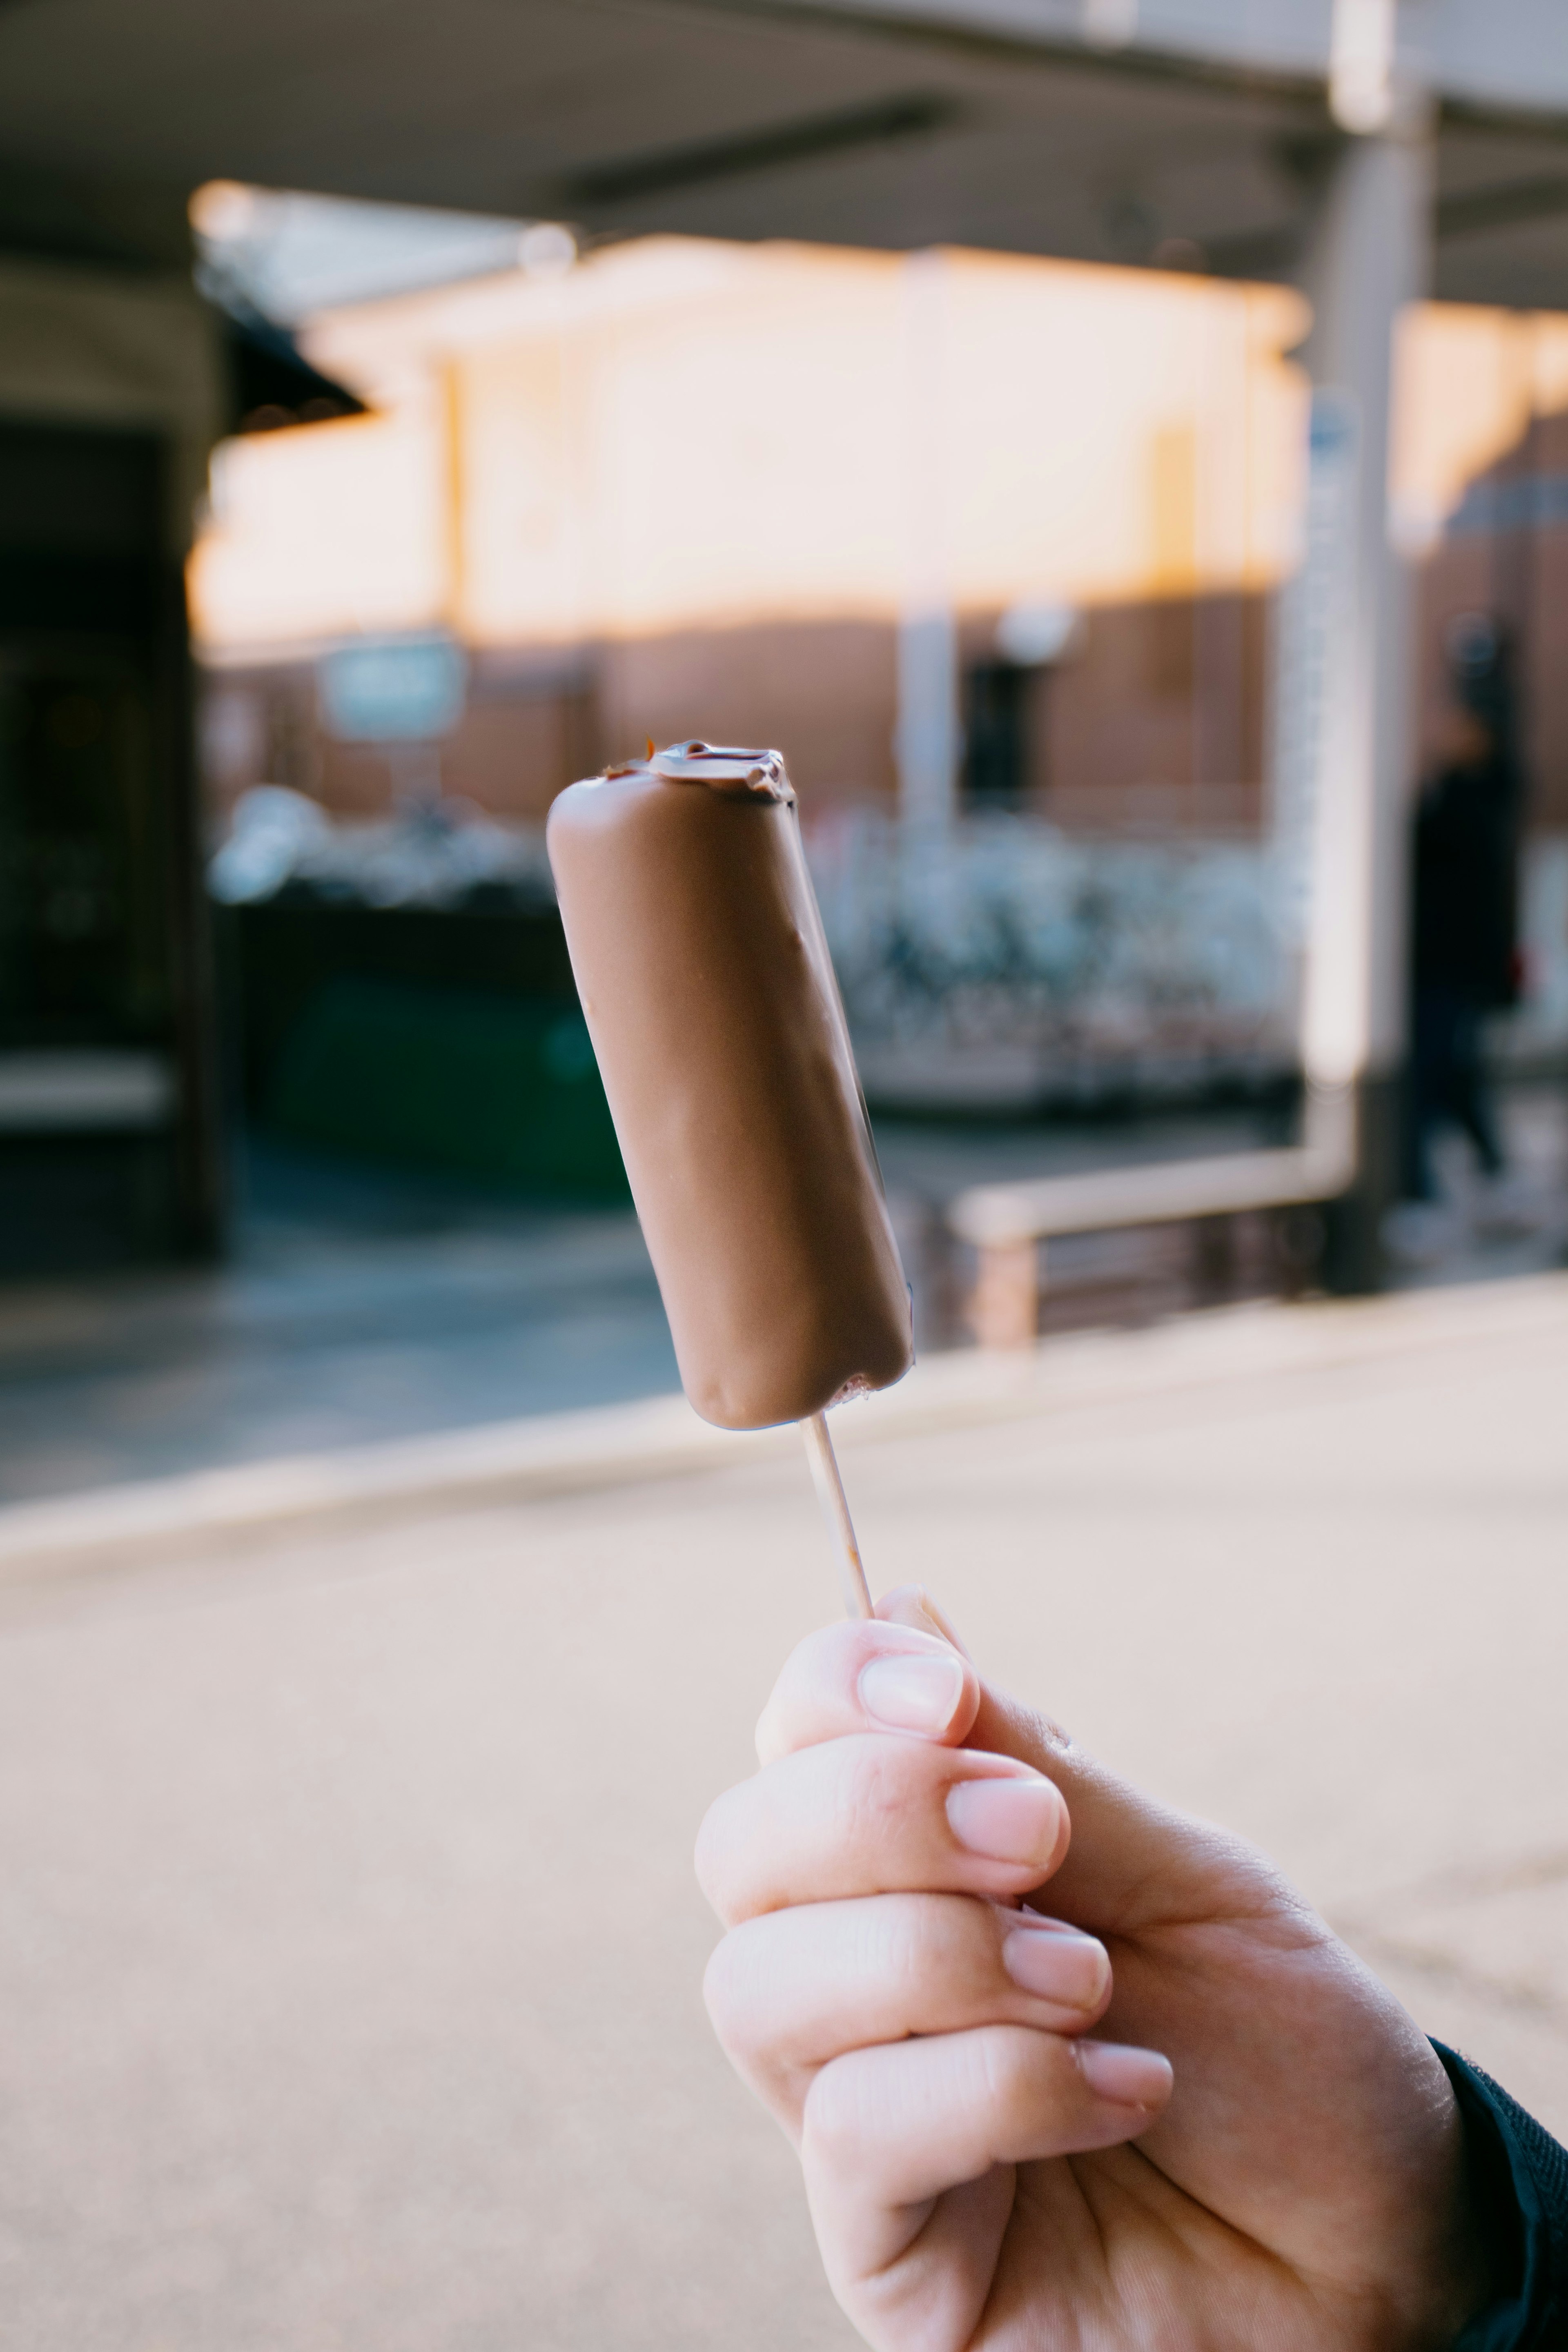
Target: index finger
{"x": 867, "y": 1675}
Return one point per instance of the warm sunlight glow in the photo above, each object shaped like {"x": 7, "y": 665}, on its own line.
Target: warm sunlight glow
{"x": 679, "y": 433}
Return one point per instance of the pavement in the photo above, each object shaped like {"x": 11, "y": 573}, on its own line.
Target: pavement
{"x": 351, "y": 1953}
{"x": 357, "y": 1304}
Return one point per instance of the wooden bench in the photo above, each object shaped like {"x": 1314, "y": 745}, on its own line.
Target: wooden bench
{"x": 1011, "y": 1225}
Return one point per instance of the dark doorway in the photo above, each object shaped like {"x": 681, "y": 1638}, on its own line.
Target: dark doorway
{"x": 105, "y": 1099}
{"x": 998, "y": 716}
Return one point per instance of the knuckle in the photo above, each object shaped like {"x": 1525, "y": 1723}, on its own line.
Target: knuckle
{"x": 939, "y": 1940}
{"x": 727, "y": 1984}
{"x": 901, "y": 1946}
{"x": 834, "y": 2118}
{"x": 881, "y": 1789}
{"x": 811, "y": 1691}
{"x": 817, "y": 1666}
{"x": 1025, "y": 2071}
{"x": 711, "y": 1858}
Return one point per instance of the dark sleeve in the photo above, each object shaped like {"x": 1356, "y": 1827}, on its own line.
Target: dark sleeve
{"x": 1520, "y": 2176}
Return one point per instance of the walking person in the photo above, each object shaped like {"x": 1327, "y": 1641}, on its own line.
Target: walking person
{"x": 1464, "y": 939}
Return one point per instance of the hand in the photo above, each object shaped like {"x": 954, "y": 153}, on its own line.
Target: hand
{"x": 1240, "y": 2140}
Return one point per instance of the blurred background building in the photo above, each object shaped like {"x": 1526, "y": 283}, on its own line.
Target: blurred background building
{"x": 571, "y": 472}
{"x": 621, "y": 516}
{"x": 684, "y": 477}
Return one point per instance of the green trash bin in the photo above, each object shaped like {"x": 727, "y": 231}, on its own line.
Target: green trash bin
{"x": 500, "y": 1087}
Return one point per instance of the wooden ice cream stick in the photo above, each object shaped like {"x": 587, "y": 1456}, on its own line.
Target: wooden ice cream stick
{"x": 708, "y": 988}
{"x": 836, "y": 1510}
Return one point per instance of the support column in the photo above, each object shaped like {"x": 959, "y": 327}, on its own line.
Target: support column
{"x": 928, "y": 739}
{"x": 1367, "y": 256}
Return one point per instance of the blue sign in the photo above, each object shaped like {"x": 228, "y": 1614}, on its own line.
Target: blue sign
{"x": 394, "y": 689}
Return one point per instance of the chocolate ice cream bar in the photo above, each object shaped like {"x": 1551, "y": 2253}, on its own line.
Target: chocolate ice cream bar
{"x": 705, "y": 979}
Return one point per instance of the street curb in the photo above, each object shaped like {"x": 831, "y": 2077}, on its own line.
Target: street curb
{"x": 555, "y": 1455}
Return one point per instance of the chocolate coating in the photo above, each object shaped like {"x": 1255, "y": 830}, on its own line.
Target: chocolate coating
{"x": 709, "y": 994}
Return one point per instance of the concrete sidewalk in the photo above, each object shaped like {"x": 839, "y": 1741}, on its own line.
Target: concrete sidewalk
{"x": 350, "y": 1952}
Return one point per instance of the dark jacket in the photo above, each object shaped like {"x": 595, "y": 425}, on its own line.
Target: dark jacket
{"x": 1520, "y": 2180}
{"x": 1465, "y": 891}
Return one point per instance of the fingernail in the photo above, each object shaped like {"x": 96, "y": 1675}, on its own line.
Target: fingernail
{"x": 1007, "y": 1821}
{"x": 1057, "y": 1962}
{"x": 910, "y": 1693}
{"x": 1129, "y": 2078}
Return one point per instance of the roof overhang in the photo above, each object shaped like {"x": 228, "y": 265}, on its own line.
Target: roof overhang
{"x": 995, "y": 124}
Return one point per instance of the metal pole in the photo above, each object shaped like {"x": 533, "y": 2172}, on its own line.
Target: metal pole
{"x": 926, "y": 743}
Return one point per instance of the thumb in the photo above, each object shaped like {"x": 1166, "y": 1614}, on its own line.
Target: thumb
{"x": 1133, "y": 1864}
{"x": 911, "y": 1604}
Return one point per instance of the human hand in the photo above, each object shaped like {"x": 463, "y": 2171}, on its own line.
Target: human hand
{"x": 1184, "y": 2116}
